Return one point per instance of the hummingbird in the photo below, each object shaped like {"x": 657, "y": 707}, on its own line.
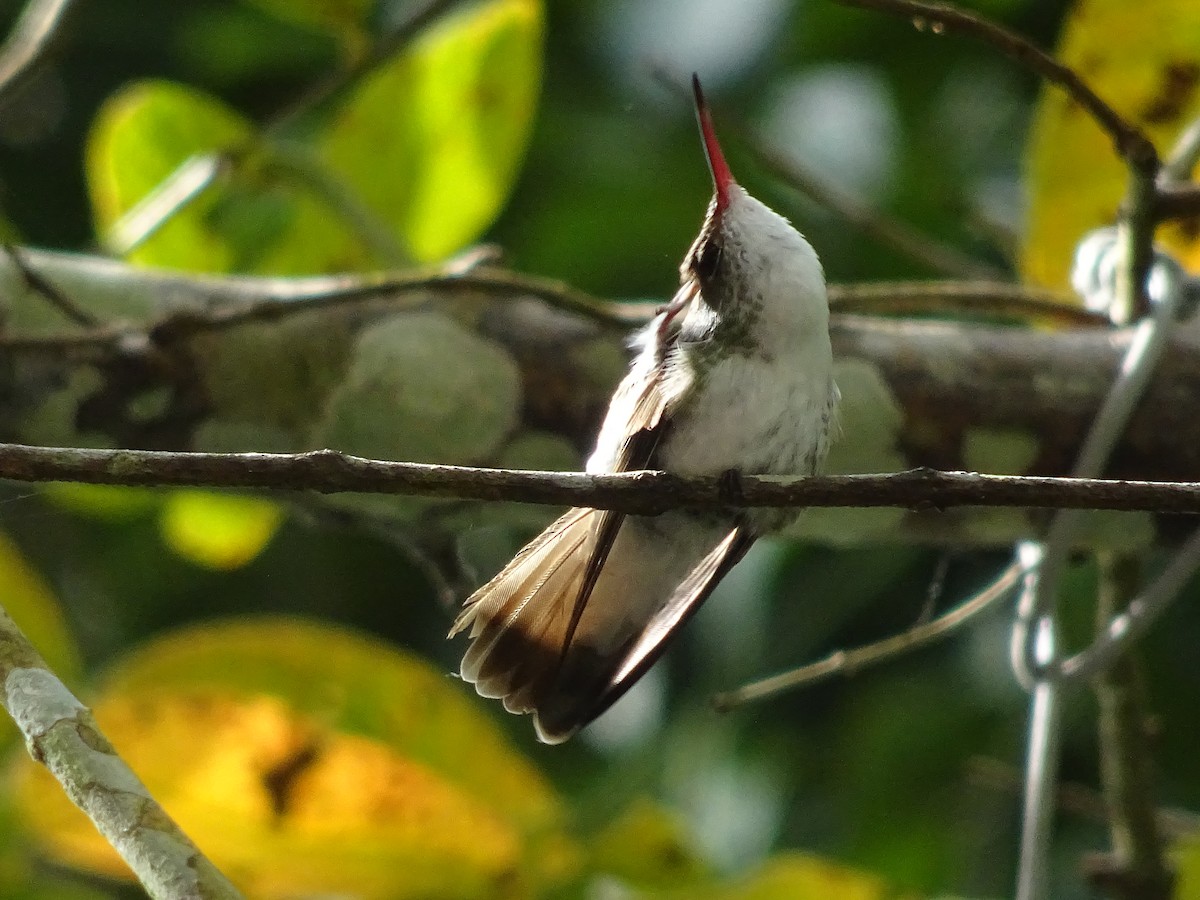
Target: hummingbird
{"x": 733, "y": 376}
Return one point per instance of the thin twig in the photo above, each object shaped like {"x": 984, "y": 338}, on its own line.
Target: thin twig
{"x": 40, "y": 285}
{"x": 1130, "y": 142}
{"x": 645, "y": 493}
{"x": 255, "y": 300}
{"x": 189, "y": 180}
{"x": 198, "y": 173}
{"x": 384, "y": 49}
{"x": 62, "y": 735}
{"x": 1127, "y": 627}
{"x": 1135, "y": 868}
{"x": 888, "y": 230}
{"x": 938, "y": 255}
{"x": 850, "y": 662}
{"x": 260, "y": 300}
{"x": 1184, "y": 156}
{"x": 965, "y": 299}
{"x": 1076, "y": 798}
{"x": 32, "y": 38}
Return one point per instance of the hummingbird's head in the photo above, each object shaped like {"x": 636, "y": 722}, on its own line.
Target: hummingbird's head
{"x": 750, "y": 265}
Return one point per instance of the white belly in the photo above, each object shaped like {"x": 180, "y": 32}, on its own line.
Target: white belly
{"x": 756, "y": 416}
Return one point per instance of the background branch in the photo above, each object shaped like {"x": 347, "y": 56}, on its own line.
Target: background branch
{"x": 31, "y": 40}
{"x": 1130, "y": 142}
{"x": 61, "y": 734}
{"x": 1135, "y": 868}
{"x": 851, "y": 662}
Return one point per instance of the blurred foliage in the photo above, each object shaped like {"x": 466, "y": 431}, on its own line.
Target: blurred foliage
{"x": 354, "y": 759}
{"x": 1149, "y": 75}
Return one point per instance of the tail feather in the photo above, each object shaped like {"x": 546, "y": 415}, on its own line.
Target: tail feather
{"x": 524, "y": 650}
{"x": 513, "y": 619}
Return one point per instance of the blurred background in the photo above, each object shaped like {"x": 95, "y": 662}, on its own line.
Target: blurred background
{"x": 910, "y": 771}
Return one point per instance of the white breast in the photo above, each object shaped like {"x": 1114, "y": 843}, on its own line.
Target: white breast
{"x": 755, "y": 415}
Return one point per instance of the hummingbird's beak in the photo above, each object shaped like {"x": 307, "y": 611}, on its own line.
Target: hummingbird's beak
{"x": 721, "y": 176}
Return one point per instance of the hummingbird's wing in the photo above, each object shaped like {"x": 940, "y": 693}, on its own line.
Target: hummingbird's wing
{"x": 651, "y": 642}
{"x": 688, "y": 597}
{"x": 524, "y": 621}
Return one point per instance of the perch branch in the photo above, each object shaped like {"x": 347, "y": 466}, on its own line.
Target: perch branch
{"x": 644, "y": 493}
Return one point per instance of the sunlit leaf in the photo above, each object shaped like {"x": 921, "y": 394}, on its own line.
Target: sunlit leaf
{"x": 433, "y": 140}
{"x": 797, "y": 876}
{"x": 307, "y": 760}
{"x": 142, "y": 136}
{"x": 248, "y": 217}
{"x": 647, "y": 847}
{"x": 220, "y": 531}
{"x": 1144, "y": 59}
{"x": 1186, "y": 862}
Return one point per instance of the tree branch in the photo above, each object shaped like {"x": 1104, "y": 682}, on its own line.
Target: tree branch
{"x": 1135, "y": 868}
{"x": 61, "y": 734}
{"x": 1130, "y": 142}
{"x": 851, "y": 662}
{"x": 644, "y": 493}
{"x": 32, "y": 38}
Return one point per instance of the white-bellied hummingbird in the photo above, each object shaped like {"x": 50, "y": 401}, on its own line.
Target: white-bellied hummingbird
{"x": 733, "y": 376}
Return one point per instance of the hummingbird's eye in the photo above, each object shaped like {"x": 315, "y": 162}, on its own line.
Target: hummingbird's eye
{"x": 707, "y": 262}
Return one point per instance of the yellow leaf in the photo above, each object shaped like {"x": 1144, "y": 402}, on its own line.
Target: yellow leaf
{"x": 308, "y": 760}
{"x": 797, "y": 876}
{"x": 33, "y": 606}
{"x": 1144, "y": 59}
{"x": 648, "y": 847}
{"x": 220, "y": 531}
{"x": 454, "y": 112}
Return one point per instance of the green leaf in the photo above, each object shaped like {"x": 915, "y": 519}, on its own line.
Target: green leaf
{"x": 797, "y": 876}
{"x": 647, "y": 847}
{"x": 1144, "y": 59}
{"x": 432, "y": 141}
{"x": 218, "y": 531}
{"x": 348, "y": 17}
{"x": 141, "y": 137}
{"x": 103, "y": 501}
{"x": 250, "y": 218}
{"x": 308, "y": 760}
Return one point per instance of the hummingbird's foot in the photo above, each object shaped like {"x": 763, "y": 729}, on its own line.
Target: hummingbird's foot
{"x": 730, "y": 488}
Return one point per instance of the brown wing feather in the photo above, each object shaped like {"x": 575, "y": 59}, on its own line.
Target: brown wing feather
{"x": 643, "y": 395}
{"x": 522, "y": 622}
{"x": 563, "y": 713}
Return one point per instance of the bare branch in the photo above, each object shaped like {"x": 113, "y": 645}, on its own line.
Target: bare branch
{"x": 61, "y": 734}
{"x": 32, "y": 38}
{"x": 1135, "y": 868}
{"x": 851, "y": 662}
{"x": 966, "y": 299}
{"x": 889, "y": 231}
{"x": 645, "y": 493}
{"x": 387, "y": 46}
{"x": 1130, "y": 142}
{"x": 1128, "y": 626}
{"x": 56, "y": 298}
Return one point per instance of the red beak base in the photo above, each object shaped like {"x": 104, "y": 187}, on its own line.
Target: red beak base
{"x": 721, "y": 176}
